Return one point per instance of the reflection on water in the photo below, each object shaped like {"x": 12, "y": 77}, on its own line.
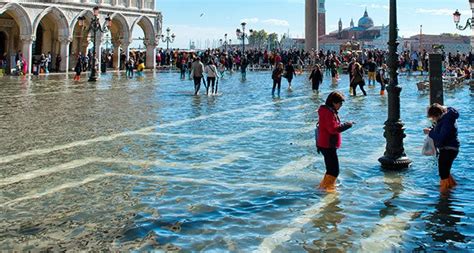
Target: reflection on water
{"x": 444, "y": 221}
{"x": 394, "y": 181}
{"x": 144, "y": 165}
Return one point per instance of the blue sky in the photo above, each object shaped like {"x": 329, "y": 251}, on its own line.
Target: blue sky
{"x": 224, "y": 16}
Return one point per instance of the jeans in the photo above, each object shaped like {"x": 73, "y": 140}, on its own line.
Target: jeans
{"x": 331, "y": 161}
{"x": 276, "y": 83}
{"x": 197, "y": 84}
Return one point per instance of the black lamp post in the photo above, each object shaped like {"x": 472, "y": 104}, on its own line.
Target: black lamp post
{"x": 394, "y": 156}
{"x": 241, "y": 35}
{"x": 457, "y": 19}
{"x": 95, "y": 27}
{"x": 168, "y": 39}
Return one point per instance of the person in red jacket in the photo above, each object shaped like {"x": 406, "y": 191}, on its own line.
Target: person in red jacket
{"x": 329, "y": 137}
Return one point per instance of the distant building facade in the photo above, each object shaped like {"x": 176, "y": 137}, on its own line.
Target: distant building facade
{"x": 452, "y": 43}
{"x": 37, "y": 27}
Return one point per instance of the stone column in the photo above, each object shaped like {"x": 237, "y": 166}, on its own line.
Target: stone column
{"x": 151, "y": 55}
{"x": 311, "y": 25}
{"x": 64, "y": 52}
{"x": 27, "y": 49}
{"x": 126, "y": 50}
{"x": 98, "y": 50}
{"x": 116, "y": 56}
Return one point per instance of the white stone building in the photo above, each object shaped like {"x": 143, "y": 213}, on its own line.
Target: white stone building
{"x": 35, "y": 26}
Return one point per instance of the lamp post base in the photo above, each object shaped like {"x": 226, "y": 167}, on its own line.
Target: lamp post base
{"x": 393, "y": 163}
{"x": 93, "y": 77}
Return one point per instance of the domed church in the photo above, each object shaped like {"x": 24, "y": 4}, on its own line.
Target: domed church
{"x": 364, "y": 32}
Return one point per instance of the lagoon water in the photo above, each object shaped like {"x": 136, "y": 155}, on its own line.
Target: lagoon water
{"x": 144, "y": 165}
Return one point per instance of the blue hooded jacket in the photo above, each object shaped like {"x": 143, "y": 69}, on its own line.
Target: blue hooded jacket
{"x": 445, "y": 133}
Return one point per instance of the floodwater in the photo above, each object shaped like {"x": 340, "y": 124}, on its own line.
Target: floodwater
{"x": 143, "y": 165}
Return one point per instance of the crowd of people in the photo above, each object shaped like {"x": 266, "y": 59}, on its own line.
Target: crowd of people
{"x": 366, "y": 65}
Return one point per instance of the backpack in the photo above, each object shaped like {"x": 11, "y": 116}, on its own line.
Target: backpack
{"x": 378, "y": 77}
{"x": 275, "y": 74}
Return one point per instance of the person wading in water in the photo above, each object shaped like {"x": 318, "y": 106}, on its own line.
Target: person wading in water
{"x": 197, "y": 69}
{"x": 329, "y": 138}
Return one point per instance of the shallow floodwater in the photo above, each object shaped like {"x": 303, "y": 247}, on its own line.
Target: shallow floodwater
{"x": 144, "y": 165}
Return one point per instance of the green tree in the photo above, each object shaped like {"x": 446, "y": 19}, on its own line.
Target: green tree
{"x": 258, "y": 39}
{"x": 272, "y": 41}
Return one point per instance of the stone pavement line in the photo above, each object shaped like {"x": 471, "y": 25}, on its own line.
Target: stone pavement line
{"x": 296, "y": 166}
{"x": 226, "y": 139}
{"x": 274, "y": 122}
{"x": 228, "y": 159}
{"x": 271, "y": 242}
{"x": 297, "y": 130}
{"x": 241, "y": 186}
{"x": 298, "y": 107}
{"x": 41, "y": 151}
{"x": 388, "y": 234}
{"x": 46, "y": 171}
{"x": 194, "y": 136}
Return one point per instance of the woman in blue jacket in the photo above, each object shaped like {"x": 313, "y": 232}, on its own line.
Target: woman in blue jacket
{"x": 445, "y": 137}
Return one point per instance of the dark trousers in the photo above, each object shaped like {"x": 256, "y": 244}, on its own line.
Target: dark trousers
{"x": 211, "y": 82}
{"x": 361, "y": 85}
{"x": 197, "y": 84}
{"x": 315, "y": 85}
{"x": 276, "y": 83}
{"x": 331, "y": 161}
{"x": 445, "y": 162}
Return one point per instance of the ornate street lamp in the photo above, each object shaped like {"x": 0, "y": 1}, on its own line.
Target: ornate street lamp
{"x": 394, "y": 156}
{"x": 241, "y": 35}
{"x": 225, "y": 42}
{"x": 95, "y": 27}
{"x": 457, "y": 19}
{"x": 168, "y": 39}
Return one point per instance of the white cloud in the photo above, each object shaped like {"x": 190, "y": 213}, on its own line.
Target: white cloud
{"x": 440, "y": 12}
{"x": 276, "y": 22}
{"x": 270, "y": 21}
{"x": 250, "y": 20}
{"x": 376, "y": 6}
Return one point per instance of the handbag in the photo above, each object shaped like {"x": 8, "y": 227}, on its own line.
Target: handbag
{"x": 429, "y": 148}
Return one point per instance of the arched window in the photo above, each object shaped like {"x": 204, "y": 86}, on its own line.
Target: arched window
{"x": 149, "y": 4}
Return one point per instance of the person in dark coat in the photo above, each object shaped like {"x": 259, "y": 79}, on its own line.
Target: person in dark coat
{"x": 290, "y": 73}
{"x": 316, "y": 78}
{"x": 78, "y": 69}
{"x": 358, "y": 79}
{"x": 329, "y": 137}
{"x": 445, "y": 138}
{"x": 276, "y": 76}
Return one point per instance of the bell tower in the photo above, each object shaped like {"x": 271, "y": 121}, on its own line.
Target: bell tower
{"x": 322, "y": 17}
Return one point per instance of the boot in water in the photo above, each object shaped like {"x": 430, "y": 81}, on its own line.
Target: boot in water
{"x": 328, "y": 183}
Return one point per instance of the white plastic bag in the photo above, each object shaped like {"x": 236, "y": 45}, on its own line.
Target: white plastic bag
{"x": 429, "y": 148}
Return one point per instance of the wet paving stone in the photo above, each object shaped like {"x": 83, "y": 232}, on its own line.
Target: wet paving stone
{"x": 143, "y": 165}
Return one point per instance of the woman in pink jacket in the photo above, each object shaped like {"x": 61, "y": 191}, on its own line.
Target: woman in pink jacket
{"x": 329, "y": 137}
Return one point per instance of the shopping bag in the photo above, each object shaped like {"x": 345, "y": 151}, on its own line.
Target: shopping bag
{"x": 429, "y": 148}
